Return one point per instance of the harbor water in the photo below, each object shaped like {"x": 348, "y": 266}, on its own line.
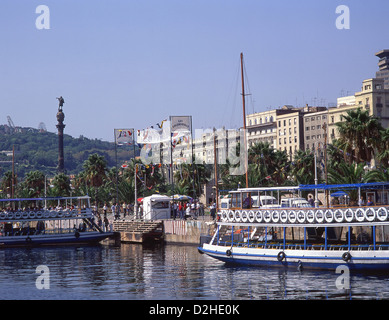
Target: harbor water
{"x": 165, "y": 272}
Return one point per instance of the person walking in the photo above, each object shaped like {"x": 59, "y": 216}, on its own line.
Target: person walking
{"x": 113, "y": 209}
{"x": 105, "y": 208}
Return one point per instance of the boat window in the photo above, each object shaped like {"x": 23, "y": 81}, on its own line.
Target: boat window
{"x": 224, "y": 205}
{"x": 160, "y": 205}
{"x": 248, "y": 200}
{"x": 269, "y": 201}
{"x": 236, "y": 201}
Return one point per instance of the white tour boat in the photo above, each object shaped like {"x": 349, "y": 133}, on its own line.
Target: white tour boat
{"x": 30, "y": 222}
{"x": 323, "y": 237}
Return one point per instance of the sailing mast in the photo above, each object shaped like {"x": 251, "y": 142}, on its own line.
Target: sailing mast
{"x": 244, "y": 121}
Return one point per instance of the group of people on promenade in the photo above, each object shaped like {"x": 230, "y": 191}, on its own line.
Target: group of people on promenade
{"x": 179, "y": 210}
{"x": 184, "y": 209}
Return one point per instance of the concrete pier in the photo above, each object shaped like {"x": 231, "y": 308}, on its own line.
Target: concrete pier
{"x": 168, "y": 231}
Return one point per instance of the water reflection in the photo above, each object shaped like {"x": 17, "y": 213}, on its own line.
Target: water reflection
{"x": 166, "y": 272}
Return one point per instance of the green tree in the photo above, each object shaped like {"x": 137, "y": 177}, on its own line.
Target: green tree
{"x": 61, "y": 183}
{"x": 359, "y": 135}
{"x": 33, "y": 184}
{"x": 303, "y": 167}
{"x": 95, "y": 169}
{"x": 383, "y": 155}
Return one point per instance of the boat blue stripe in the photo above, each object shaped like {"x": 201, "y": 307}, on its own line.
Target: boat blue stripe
{"x": 295, "y": 257}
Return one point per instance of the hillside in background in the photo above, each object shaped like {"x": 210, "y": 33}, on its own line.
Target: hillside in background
{"x": 38, "y": 150}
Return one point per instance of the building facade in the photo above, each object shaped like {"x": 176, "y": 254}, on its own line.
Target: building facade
{"x": 383, "y": 65}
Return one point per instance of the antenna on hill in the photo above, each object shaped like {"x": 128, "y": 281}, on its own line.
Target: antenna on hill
{"x": 42, "y": 127}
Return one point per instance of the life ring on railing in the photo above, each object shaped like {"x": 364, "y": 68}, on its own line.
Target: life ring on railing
{"x": 346, "y": 256}
{"x": 267, "y": 216}
{"x": 251, "y": 216}
{"x": 3, "y": 215}
{"x": 223, "y": 215}
{"x": 360, "y": 214}
{"x": 46, "y": 214}
{"x": 283, "y": 216}
{"x": 238, "y": 216}
{"x": 244, "y": 216}
{"x": 228, "y": 253}
{"x": 349, "y": 215}
{"x": 275, "y": 216}
{"x": 281, "y": 256}
{"x": 231, "y": 216}
{"x": 25, "y": 215}
{"x": 31, "y": 214}
{"x": 53, "y": 213}
{"x": 259, "y": 216}
{"x": 17, "y": 215}
{"x": 67, "y": 213}
{"x": 10, "y": 215}
{"x": 382, "y": 214}
{"x": 370, "y": 214}
{"x": 60, "y": 214}
{"x": 39, "y": 214}
{"x": 310, "y": 216}
{"x": 319, "y": 216}
{"x": 339, "y": 215}
{"x": 301, "y": 215}
{"x": 74, "y": 213}
{"x": 329, "y": 215}
{"x": 292, "y": 216}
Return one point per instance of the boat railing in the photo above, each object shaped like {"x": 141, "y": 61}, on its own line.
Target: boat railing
{"x": 28, "y": 230}
{"x": 307, "y": 246}
{"x": 45, "y": 214}
{"x": 320, "y": 215}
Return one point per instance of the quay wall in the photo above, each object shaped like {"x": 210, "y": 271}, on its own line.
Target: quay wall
{"x": 187, "y": 231}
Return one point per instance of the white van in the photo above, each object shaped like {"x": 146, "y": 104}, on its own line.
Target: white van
{"x": 265, "y": 202}
{"x": 295, "y": 203}
{"x": 156, "y": 207}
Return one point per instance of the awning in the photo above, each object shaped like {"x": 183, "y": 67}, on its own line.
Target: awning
{"x": 339, "y": 194}
{"x": 370, "y": 185}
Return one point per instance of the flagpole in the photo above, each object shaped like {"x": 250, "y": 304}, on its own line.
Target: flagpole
{"x": 116, "y": 175}
{"x": 244, "y": 122}
{"x": 136, "y": 191}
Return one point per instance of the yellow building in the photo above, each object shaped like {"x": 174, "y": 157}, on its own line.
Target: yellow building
{"x": 375, "y": 98}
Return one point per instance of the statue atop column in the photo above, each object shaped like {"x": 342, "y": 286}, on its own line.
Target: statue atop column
{"x": 61, "y": 101}
{"x": 60, "y": 126}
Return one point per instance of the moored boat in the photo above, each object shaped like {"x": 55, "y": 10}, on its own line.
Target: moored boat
{"x": 30, "y": 222}
{"x": 321, "y": 237}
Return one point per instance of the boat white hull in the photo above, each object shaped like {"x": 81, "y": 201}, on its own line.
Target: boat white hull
{"x": 54, "y": 239}
{"x": 312, "y": 259}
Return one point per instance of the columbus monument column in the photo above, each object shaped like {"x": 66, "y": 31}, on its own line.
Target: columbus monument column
{"x": 60, "y": 126}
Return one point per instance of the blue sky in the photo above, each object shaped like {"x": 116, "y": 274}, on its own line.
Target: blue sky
{"x": 131, "y": 64}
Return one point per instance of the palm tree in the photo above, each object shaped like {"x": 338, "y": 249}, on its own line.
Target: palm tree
{"x": 269, "y": 166}
{"x": 383, "y": 155}
{"x": 348, "y": 173}
{"x": 303, "y": 167}
{"x": 378, "y": 175}
{"x": 61, "y": 184}
{"x": 335, "y": 154}
{"x": 359, "y": 135}
{"x": 95, "y": 169}
{"x": 191, "y": 177}
{"x": 33, "y": 184}
{"x": 6, "y": 183}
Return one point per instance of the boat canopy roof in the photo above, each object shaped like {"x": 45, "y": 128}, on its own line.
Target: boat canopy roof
{"x": 370, "y": 185}
{"x": 43, "y": 199}
{"x": 263, "y": 189}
